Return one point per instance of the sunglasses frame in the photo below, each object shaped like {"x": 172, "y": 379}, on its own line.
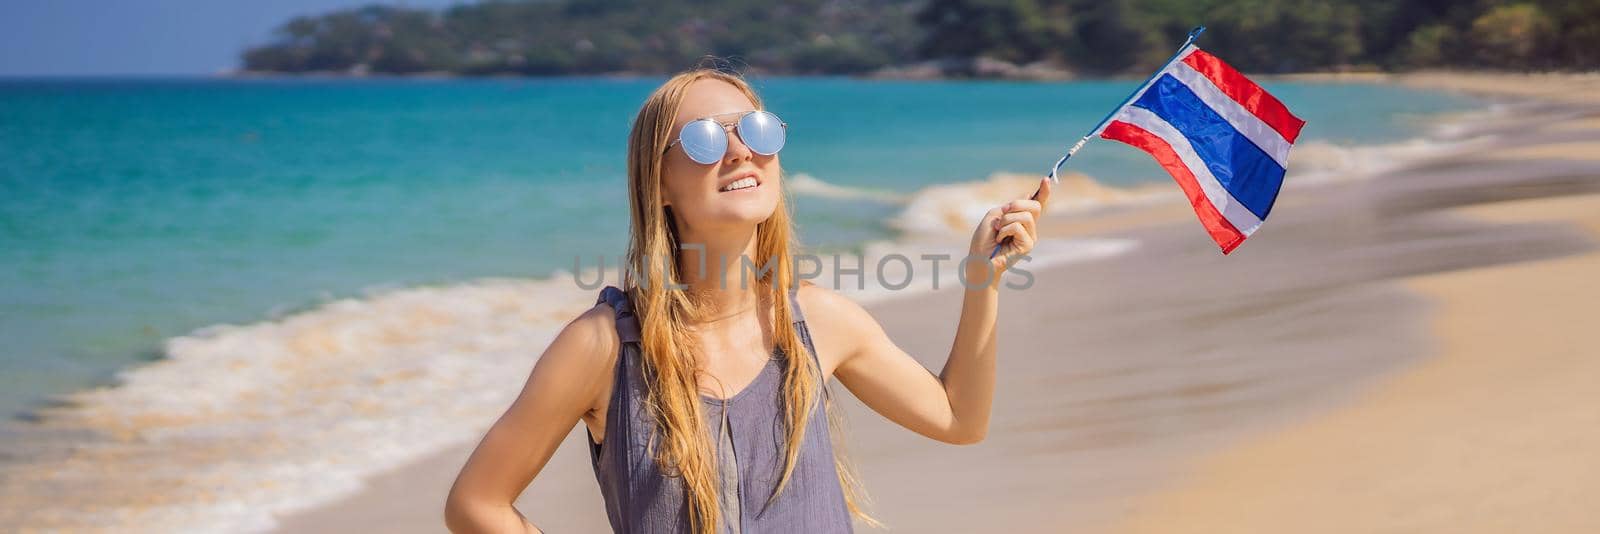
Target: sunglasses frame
{"x": 731, "y": 127}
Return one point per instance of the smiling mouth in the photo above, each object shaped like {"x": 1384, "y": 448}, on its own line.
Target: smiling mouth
{"x": 740, "y": 184}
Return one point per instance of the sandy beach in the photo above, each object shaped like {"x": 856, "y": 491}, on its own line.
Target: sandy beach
{"x": 1411, "y": 351}
{"x": 1493, "y": 432}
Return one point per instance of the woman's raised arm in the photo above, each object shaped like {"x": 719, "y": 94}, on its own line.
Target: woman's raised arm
{"x": 566, "y": 382}
{"x": 954, "y": 406}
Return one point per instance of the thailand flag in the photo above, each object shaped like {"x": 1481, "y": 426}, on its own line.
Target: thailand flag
{"x": 1221, "y": 137}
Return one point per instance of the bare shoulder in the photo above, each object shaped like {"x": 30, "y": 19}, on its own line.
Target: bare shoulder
{"x": 829, "y": 305}
{"x": 839, "y": 326}
{"x": 595, "y": 328}
{"x": 583, "y": 354}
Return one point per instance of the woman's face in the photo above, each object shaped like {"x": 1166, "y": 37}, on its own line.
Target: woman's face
{"x": 698, "y": 193}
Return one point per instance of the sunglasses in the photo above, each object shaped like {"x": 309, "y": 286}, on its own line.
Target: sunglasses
{"x": 706, "y": 140}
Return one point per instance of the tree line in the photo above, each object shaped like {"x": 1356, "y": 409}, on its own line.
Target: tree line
{"x": 1092, "y": 37}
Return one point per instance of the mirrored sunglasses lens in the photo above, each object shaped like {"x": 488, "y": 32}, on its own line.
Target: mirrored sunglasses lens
{"x": 762, "y": 132}
{"x": 704, "y": 141}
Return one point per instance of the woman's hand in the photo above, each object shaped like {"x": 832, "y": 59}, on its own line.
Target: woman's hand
{"x": 1018, "y": 220}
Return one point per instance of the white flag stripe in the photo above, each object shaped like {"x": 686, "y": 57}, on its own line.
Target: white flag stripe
{"x": 1176, "y": 60}
{"x": 1247, "y": 123}
{"x": 1237, "y": 214}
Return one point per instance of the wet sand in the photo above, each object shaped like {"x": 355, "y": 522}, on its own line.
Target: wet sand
{"x": 1143, "y": 390}
{"x": 1495, "y": 431}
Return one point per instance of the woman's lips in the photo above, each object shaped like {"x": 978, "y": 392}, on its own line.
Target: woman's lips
{"x": 742, "y": 184}
{"x": 741, "y": 181}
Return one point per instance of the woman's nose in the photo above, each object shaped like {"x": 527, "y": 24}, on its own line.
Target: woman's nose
{"x": 736, "y": 148}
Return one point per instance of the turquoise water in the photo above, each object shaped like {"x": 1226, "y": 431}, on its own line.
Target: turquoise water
{"x": 136, "y": 210}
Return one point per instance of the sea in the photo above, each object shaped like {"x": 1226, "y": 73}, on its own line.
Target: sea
{"x": 223, "y": 299}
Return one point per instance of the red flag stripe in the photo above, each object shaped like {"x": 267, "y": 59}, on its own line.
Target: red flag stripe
{"x": 1249, "y": 95}
{"x": 1215, "y": 224}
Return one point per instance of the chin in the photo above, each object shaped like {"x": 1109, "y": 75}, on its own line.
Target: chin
{"x": 749, "y": 216}
{"x": 748, "y": 213}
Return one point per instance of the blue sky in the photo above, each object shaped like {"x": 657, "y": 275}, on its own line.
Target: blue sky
{"x": 146, "y": 37}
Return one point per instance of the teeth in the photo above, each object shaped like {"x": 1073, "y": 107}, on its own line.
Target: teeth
{"x": 741, "y": 183}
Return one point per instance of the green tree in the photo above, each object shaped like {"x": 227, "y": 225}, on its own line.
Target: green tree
{"x": 1018, "y": 31}
{"x": 1515, "y": 36}
{"x": 550, "y": 37}
{"x": 1578, "y": 36}
{"x": 1429, "y": 46}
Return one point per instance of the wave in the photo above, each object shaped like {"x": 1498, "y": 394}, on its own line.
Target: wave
{"x": 241, "y": 423}
{"x": 808, "y": 185}
{"x": 1312, "y": 162}
{"x": 1320, "y": 161}
{"x": 956, "y": 208}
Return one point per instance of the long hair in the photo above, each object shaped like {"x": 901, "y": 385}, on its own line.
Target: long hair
{"x": 672, "y": 399}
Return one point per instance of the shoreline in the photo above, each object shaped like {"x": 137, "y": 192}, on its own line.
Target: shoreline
{"x": 1487, "y": 83}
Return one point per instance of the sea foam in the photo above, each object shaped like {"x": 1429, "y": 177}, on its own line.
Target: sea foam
{"x": 240, "y": 423}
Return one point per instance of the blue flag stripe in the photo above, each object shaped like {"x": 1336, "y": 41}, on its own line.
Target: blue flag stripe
{"x": 1247, "y": 172}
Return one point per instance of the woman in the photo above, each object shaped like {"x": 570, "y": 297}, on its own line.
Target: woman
{"x": 699, "y": 420}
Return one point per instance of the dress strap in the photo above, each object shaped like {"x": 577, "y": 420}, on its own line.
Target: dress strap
{"x": 627, "y": 321}
{"x": 794, "y": 305}
{"x": 800, "y": 323}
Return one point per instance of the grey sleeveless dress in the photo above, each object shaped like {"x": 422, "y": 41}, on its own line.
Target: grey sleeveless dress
{"x": 641, "y": 498}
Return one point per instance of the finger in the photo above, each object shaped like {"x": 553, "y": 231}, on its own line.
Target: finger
{"x": 1021, "y": 242}
{"x": 1043, "y": 196}
{"x": 1024, "y": 244}
{"x": 1016, "y": 231}
{"x": 1023, "y": 205}
{"x": 1026, "y": 218}
{"x": 1003, "y": 220}
{"x": 1003, "y": 217}
{"x": 990, "y": 216}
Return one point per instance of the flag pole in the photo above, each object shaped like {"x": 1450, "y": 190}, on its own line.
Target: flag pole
{"x": 1193, "y": 34}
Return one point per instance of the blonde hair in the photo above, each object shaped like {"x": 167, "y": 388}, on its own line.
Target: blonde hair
{"x": 665, "y": 314}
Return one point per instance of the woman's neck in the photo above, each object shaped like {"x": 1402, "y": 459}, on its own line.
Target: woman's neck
{"x": 722, "y": 271}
